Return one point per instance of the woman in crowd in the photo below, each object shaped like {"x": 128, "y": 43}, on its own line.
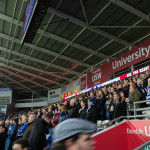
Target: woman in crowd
{"x": 134, "y": 96}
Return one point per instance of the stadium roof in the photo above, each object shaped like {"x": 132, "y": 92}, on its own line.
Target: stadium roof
{"x": 74, "y": 37}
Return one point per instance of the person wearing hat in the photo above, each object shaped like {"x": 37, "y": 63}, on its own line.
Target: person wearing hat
{"x": 91, "y": 112}
{"x": 73, "y": 134}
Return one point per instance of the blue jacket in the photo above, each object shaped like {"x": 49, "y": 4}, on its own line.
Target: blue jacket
{"x": 10, "y": 129}
{"x": 148, "y": 95}
{"x": 63, "y": 116}
{"x": 22, "y": 129}
{"x": 49, "y": 137}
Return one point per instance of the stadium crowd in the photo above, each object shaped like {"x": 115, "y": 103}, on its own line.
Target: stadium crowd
{"x": 34, "y": 129}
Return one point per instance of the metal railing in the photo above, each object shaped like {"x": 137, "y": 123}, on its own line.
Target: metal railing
{"x": 135, "y": 110}
{"x": 143, "y": 146}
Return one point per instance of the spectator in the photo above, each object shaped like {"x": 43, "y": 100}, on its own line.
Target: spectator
{"x": 39, "y": 114}
{"x": 134, "y": 96}
{"x": 9, "y": 134}
{"x": 67, "y": 104}
{"x": 74, "y": 134}
{"x": 73, "y": 110}
{"x": 148, "y": 92}
{"x": 50, "y": 111}
{"x": 43, "y": 112}
{"x": 37, "y": 139}
{"x": 141, "y": 86}
{"x": 118, "y": 108}
{"x": 14, "y": 133}
{"x": 91, "y": 112}
{"x": 56, "y": 118}
{"x": 64, "y": 114}
{"x": 78, "y": 104}
{"x": 126, "y": 88}
{"x": 82, "y": 111}
{"x": 19, "y": 122}
{"x": 108, "y": 104}
{"x": 120, "y": 89}
{"x": 22, "y": 129}
{"x": 20, "y": 144}
{"x": 101, "y": 105}
{"x": 93, "y": 97}
{"x": 145, "y": 80}
{"x": 3, "y": 135}
{"x": 122, "y": 95}
{"x": 31, "y": 120}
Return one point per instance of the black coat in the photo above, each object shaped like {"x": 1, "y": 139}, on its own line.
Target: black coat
{"x": 73, "y": 112}
{"x": 101, "y": 103}
{"x": 126, "y": 90}
{"x": 119, "y": 110}
{"x": 92, "y": 114}
{"x": 3, "y": 137}
{"x": 37, "y": 139}
{"x": 83, "y": 113}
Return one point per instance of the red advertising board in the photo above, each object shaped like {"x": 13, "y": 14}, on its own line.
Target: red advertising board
{"x": 125, "y": 60}
{"x": 126, "y": 136}
{"x": 131, "y": 57}
{"x": 97, "y": 76}
{"x": 83, "y": 84}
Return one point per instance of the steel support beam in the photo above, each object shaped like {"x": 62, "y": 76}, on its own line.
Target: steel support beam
{"x": 6, "y": 85}
{"x": 45, "y": 50}
{"x": 73, "y": 44}
{"x": 24, "y": 78}
{"x": 83, "y": 24}
{"x": 35, "y": 69}
{"x": 39, "y": 61}
{"x": 33, "y": 75}
{"x": 65, "y": 41}
{"x": 22, "y": 85}
{"x": 131, "y": 9}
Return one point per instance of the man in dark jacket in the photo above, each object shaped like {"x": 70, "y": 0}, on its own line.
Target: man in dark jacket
{"x": 126, "y": 88}
{"x": 73, "y": 110}
{"x": 31, "y": 120}
{"x": 3, "y": 135}
{"x": 101, "y": 105}
{"x": 82, "y": 111}
{"x": 118, "y": 108}
{"x": 37, "y": 139}
{"x": 91, "y": 112}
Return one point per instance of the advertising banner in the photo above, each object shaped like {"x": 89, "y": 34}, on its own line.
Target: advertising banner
{"x": 97, "y": 76}
{"x": 126, "y": 136}
{"x": 5, "y": 96}
{"x": 134, "y": 56}
{"x": 83, "y": 82}
{"x": 131, "y": 57}
{"x": 54, "y": 95}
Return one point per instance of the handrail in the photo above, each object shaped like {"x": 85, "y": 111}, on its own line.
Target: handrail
{"x": 139, "y": 102}
{"x": 142, "y": 146}
{"x": 142, "y": 101}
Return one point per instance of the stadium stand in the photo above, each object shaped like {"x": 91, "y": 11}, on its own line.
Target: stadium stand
{"x": 82, "y": 62}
